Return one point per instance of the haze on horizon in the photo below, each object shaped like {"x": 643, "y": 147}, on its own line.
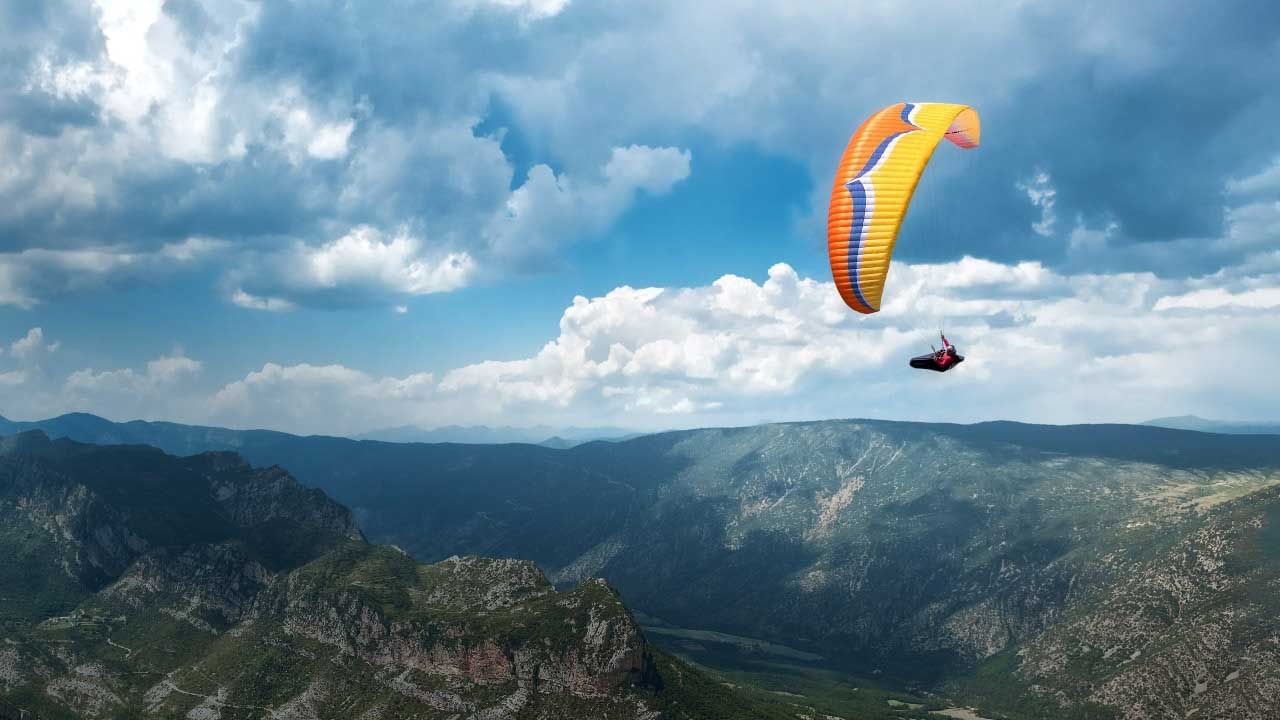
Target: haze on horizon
{"x": 543, "y": 212}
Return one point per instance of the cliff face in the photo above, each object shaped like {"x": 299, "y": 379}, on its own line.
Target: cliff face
{"x": 201, "y": 587}
{"x": 383, "y": 633}
{"x": 493, "y": 621}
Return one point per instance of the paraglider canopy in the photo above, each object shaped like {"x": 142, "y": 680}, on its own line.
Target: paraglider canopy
{"x": 878, "y": 173}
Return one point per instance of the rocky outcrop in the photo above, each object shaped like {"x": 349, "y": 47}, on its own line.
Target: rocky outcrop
{"x": 257, "y": 497}
{"x": 518, "y": 630}
{"x": 92, "y": 539}
{"x": 209, "y": 586}
{"x": 368, "y": 627}
{"x": 218, "y": 588}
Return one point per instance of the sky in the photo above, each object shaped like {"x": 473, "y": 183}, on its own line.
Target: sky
{"x": 332, "y": 217}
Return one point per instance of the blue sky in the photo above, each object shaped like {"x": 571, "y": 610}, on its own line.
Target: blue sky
{"x": 322, "y": 217}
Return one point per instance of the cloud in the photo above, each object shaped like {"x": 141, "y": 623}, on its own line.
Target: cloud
{"x": 530, "y": 9}
{"x": 549, "y": 209}
{"x": 253, "y": 302}
{"x": 1040, "y": 346}
{"x": 165, "y": 388}
{"x": 352, "y": 400}
{"x": 31, "y": 348}
{"x": 191, "y": 119}
{"x": 364, "y": 256}
{"x": 1265, "y": 183}
{"x": 1082, "y": 97}
{"x": 256, "y": 156}
{"x": 362, "y": 266}
{"x": 329, "y": 142}
{"x": 32, "y": 276}
{"x": 22, "y": 385}
{"x": 545, "y": 213}
{"x": 29, "y": 353}
{"x": 134, "y": 125}
{"x": 1217, "y": 298}
{"x": 638, "y": 167}
{"x": 160, "y": 372}
{"x": 1040, "y": 192}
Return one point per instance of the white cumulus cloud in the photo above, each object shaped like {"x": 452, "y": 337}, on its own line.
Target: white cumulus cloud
{"x": 548, "y": 210}
{"x": 365, "y": 264}
{"x": 530, "y": 9}
{"x": 163, "y": 389}
{"x": 32, "y": 346}
{"x": 1040, "y": 346}
{"x": 300, "y": 396}
{"x": 1216, "y": 298}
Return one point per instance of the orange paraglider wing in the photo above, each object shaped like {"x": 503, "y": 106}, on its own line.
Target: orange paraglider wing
{"x": 878, "y": 173}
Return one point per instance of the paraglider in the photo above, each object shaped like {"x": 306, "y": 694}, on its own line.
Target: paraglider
{"x": 874, "y": 182}
{"x": 939, "y": 360}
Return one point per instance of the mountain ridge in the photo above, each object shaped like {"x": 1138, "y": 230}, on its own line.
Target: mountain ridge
{"x": 485, "y": 435}
{"x": 1079, "y": 438}
{"x": 921, "y": 553}
{"x": 1194, "y": 422}
{"x": 204, "y": 587}
{"x": 162, "y": 433}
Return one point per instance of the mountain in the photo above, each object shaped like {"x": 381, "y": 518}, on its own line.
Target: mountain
{"x": 187, "y": 439}
{"x": 480, "y": 434}
{"x": 139, "y": 584}
{"x": 1192, "y": 422}
{"x": 173, "y": 438}
{"x": 1040, "y": 571}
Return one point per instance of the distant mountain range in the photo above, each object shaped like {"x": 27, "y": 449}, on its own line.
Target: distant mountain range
{"x": 482, "y": 434}
{"x": 186, "y": 439}
{"x": 1192, "y": 422}
{"x": 1079, "y": 571}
